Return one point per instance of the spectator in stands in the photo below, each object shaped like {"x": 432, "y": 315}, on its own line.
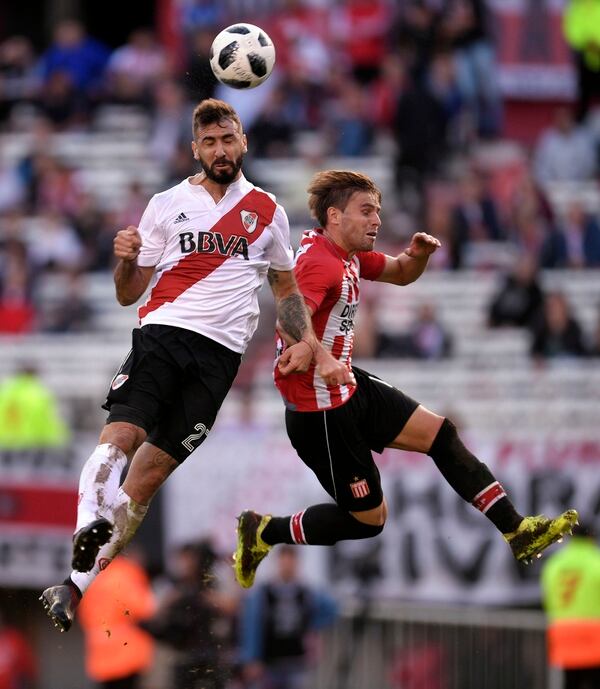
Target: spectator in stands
{"x": 428, "y": 336}
{"x": 12, "y": 188}
{"x": 18, "y": 666}
{"x": 557, "y": 334}
{"x": 531, "y": 218}
{"x": 40, "y": 134}
{"x": 199, "y": 78}
{"x": 29, "y": 415}
{"x": 61, "y": 103}
{"x": 463, "y": 26}
{"x": 81, "y": 58}
{"x": 272, "y": 132}
{"x": 582, "y": 31}
{"x": 518, "y": 301}
{"x": 18, "y": 78}
{"x": 55, "y": 244}
{"x": 425, "y": 338}
{"x": 133, "y": 205}
{"x": 137, "y": 66}
{"x": 203, "y": 13}
{"x": 571, "y": 598}
{"x": 420, "y": 131}
{"x": 172, "y": 113}
{"x": 349, "y": 119}
{"x": 17, "y": 278}
{"x": 190, "y": 616}
{"x": 276, "y": 624}
{"x": 117, "y": 651}
{"x": 443, "y": 84}
{"x": 300, "y": 30}
{"x": 94, "y": 229}
{"x": 415, "y": 36}
{"x": 70, "y": 311}
{"x": 383, "y": 94}
{"x": 576, "y": 241}
{"x": 565, "y": 151}
{"x": 475, "y": 218}
{"x": 58, "y": 188}
{"x": 361, "y": 28}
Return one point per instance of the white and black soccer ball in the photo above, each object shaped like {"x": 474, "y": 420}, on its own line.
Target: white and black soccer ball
{"x": 242, "y": 56}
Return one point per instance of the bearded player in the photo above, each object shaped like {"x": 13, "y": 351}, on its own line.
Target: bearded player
{"x": 205, "y": 246}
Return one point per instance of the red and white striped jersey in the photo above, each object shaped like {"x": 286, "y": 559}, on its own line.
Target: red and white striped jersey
{"x": 211, "y": 258}
{"x": 329, "y": 282}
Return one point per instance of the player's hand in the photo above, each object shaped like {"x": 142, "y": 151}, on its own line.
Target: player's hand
{"x": 422, "y": 245}
{"x": 127, "y": 244}
{"x": 296, "y": 358}
{"x": 333, "y": 371}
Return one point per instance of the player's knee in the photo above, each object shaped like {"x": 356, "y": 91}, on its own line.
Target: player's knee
{"x": 445, "y": 438}
{"x": 375, "y": 517}
{"x": 125, "y": 436}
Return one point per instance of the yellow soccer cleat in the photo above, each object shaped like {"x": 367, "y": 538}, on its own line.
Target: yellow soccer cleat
{"x": 251, "y": 549}
{"x": 535, "y": 534}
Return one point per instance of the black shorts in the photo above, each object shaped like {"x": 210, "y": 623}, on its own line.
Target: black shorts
{"x": 172, "y": 385}
{"x": 337, "y": 444}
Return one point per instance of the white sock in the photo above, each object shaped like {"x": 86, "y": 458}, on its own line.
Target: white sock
{"x": 127, "y": 515}
{"x": 98, "y": 483}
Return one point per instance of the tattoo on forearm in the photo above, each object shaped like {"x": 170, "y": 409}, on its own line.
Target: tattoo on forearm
{"x": 272, "y": 276}
{"x": 293, "y": 316}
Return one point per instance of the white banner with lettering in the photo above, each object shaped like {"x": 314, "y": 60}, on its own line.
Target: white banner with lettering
{"x": 434, "y": 547}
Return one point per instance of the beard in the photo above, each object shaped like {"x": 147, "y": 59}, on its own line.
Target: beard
{"x": 223, "y": 176}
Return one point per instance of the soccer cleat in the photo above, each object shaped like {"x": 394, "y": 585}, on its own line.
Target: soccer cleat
{"x": 59, "y": 603}
{"x": 535, "y": 534}
{"x": 251, "y": 549}
{"x": 88, "y": 541}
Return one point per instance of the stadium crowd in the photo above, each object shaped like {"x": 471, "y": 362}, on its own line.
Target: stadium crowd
{"x": 415, "y": 83}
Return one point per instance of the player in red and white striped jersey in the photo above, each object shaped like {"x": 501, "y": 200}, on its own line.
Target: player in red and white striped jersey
{"x": 334, "y": 427}
{"x": 205, "y": 247}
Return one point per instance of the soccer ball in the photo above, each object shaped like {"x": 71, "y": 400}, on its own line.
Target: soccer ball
{"x": 242, "y": 56}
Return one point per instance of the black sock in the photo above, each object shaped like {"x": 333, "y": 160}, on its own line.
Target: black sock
{"x": 324, "y": 524}
{"x": 471, "y": 479}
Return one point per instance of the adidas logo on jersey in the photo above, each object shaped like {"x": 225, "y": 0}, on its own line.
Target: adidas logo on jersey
{"x": 182, "y": 217}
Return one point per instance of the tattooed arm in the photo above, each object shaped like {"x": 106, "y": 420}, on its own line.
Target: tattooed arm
{"x": 295, "y": 326}
{"x": 292, "y": 315}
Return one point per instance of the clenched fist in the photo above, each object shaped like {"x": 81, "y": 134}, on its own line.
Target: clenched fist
{"x": 127, "y": 244}
{"x": 422, "y": 245}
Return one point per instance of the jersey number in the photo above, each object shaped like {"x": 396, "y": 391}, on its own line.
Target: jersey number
{"x": 202, "y": 430}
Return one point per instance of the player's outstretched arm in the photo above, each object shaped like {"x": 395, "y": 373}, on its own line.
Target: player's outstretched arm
{"x": 410, "y": 264}
{"x": 131, "y": 280}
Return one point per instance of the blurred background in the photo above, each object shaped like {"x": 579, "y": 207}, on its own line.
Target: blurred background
{"x": 480, "y": 122}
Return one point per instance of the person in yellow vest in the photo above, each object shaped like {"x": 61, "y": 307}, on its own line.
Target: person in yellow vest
{"x": 571, "y": 598}
{"x": 117, "y": 651}
{"x": 29, "y": 416}
{"x": 581, "y": 24}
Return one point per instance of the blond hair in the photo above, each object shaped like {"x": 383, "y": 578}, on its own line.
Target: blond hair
{"x": 335, "y": 188}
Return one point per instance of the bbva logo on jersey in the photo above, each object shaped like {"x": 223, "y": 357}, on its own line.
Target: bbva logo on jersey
{"x": 249, "y": 220}
{"x": 213, "y": 243}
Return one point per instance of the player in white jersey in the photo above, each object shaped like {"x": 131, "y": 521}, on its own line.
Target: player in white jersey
{"x": 335, "y": 427}
{"x": 204, "y": 247}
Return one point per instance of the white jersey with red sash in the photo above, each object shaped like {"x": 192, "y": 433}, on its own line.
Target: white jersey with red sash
{"x": 211, "y": 258}
{"x": 329, "y": 282}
